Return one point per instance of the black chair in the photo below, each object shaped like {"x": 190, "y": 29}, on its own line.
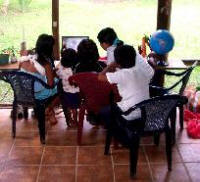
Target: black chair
{"x": 182, "y": 82}
{"x": 23, "y": 87}
{"x": 155, "y": 114}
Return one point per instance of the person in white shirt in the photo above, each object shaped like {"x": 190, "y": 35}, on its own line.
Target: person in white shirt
{"x": 64, "y": 71}
{"x": 109, "y": 41}
{"x": 132, "y": 77}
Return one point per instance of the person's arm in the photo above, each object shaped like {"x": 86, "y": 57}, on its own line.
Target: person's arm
{"x": 102, "y": 77}
{"x": 28, "y": 66}
{"x": 110, "y": 68}
{"x": 49, "y": 74}
{"x": 144, "y": 66}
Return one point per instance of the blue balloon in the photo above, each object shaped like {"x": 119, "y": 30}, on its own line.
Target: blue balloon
{"x": 161, "y": 42}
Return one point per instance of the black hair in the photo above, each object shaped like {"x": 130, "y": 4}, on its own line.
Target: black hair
{"x": 88, "y": 51}
{"x": 125, "y": 56}
{"x": 68, "y": 58}
{"x": 108, "y": 35}
{"x": 44, "y": 48}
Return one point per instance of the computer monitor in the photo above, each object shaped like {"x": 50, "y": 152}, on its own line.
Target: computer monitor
{"x": 72, "y": 41}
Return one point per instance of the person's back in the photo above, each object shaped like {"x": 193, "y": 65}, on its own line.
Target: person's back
{"x": 132, "y": 78}
{"x": 69, "y": 94}
{"x": 65, "y": 69}
{"x": 41, "y": 65}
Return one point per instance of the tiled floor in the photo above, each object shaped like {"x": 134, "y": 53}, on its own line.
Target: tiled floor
{"x": 24, "y": 159}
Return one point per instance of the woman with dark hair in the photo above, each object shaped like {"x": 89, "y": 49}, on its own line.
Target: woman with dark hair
{"x": 88, "y": 57}
{"x": 44, "y": 49}
{"x": 109, "y": 41}
{"x": 41, "y": 66}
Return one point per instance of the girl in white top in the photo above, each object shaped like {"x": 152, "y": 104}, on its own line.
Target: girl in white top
{"x": 64, "y": 71}
{"x": 132, "y": 78}
{"x": 109, "y": 41}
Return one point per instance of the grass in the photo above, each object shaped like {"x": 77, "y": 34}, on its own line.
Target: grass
{"x": 130, "y": 18}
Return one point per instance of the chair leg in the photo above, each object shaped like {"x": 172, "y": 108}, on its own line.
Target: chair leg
{"x": 108, "y": 141}
{"x": 181, "y": 119}
{"x": 156, "y": 138}
{"x": 67, "y": 116}
{"x": 173, "y": 126}
{"x": 116, "y": 144}
{"x": 40, "y": 113}
{"x": 134, "y": 148}
{"x": 80, "y": 124}
{"x": 25, "y": 110}
{"x": 14, "y": 118}
{"x": 168, "y": 147}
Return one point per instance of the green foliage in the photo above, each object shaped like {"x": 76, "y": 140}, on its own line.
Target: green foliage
{"x": 9, "y": 50}
{"x": 24, "y": 4}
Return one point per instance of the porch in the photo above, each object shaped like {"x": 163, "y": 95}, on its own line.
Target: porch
{"x": 24, "y": 159}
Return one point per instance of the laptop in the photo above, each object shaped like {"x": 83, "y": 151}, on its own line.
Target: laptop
{"x": 72, "y": 41}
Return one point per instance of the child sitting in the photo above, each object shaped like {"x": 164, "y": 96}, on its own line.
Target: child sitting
{"x": 108, "y": 40}
{"x": 64, "y": 71}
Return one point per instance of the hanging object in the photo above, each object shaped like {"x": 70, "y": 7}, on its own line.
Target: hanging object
{"x": 161, "y": 42}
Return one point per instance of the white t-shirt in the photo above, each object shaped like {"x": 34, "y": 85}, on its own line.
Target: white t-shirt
{"x": 64, "y": 74}
{"x": 110, "y": 54}
{"x": 133, "y": 85}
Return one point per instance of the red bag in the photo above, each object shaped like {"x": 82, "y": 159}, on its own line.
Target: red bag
{"x": 193, "y": 123}
{"x": 193, "y": 128}
{"x": 188, "y": 115}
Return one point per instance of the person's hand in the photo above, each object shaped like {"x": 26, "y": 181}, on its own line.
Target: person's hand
{"x": 110, "y": 68}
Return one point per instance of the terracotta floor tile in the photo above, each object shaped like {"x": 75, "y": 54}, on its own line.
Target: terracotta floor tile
{"x": 95, "y": 173}
{"x": 146, "y": 140}
{"x": 5, "y": 125}
{"x": 1, "y": 168}
{"x": 25, "y": 156}
{"x": 61, "y": 138}
{"x": 61, "y": 124}
{"x": 93, "y": 156}
{"x": 121, "y": 156}
{"x": 59, "y": 155}
{"x": 194, "y": 171}
{"x": 23, "y": 125}
{"x": 122, "y": 173}
{"x": 94, "y": 136}
{"x": 20, "y": 174}
{"x": 57, "y": 174}
{"x": 182, "y": 137}
{"x": 5, "y": 147}
{"x": 157, "y": 154}
{"x": 178, "y": 173}
{"x": 31, "y": 138}
{"x": 190, "y": 152}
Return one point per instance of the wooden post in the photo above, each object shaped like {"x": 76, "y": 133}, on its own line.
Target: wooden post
{"x": 163, "y": 22}
{"x": 55, "y": 27}
{"x": 164, "y": 14}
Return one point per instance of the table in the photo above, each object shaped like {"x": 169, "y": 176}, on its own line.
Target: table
{"x": 10, "y": 67}
{"x": 173, "y": 65}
